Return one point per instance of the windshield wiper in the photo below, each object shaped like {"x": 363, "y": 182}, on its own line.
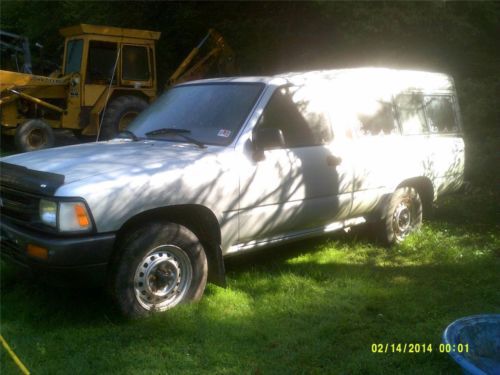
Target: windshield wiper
{"x": 180, "y": 132}
{"x": 127, "y": 134}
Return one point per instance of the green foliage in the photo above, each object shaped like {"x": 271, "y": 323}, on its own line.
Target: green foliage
{"x": 457, "y": 37}
{"x": 313, "y": 307}
{"x": 481, "y": 118}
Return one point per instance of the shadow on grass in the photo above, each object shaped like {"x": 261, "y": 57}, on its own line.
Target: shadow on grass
{"x": 41, "y": 300}
{"x": 306, "y": 316}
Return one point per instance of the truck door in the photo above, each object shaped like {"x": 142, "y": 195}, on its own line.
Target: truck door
{"x": 300, "y": 186}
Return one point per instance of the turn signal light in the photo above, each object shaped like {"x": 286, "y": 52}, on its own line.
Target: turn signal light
{"x": 37, "y": 251}
{"x": 81, "y": 215}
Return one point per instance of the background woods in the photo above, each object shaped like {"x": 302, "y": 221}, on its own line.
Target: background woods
{"x": 459, "y": 38}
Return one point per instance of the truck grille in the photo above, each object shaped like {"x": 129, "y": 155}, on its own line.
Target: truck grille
{"x": 18, "y": 206}
{"x": 9, "y": 249}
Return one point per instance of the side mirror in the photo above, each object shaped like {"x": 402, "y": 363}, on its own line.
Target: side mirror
{"x": 268, "y": 139}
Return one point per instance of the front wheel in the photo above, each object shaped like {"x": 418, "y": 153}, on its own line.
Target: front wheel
{"x": 160, "y": 266}
{"x": 402, "y": 216}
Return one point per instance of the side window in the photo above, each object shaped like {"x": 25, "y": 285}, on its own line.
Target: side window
{"x": 300, "y": 125}
{"x": 440, "y": 115}
{"x": 377, "y": 120}
{"x": 410, "y": 108}
{"x": 101, "y": 62}
{"x": 135, "y": 63}
{"x": 74, "y": 51}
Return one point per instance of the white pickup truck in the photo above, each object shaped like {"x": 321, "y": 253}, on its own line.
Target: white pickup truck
{"x": 217, "y": 167}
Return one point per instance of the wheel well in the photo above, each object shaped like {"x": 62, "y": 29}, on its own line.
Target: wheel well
{"x": 139, "y": 94}
{"x": 199, "y": 219}
{"x": 424, "y": 188}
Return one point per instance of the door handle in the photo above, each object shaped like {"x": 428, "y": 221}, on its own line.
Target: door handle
{"x": 333, "y": 161}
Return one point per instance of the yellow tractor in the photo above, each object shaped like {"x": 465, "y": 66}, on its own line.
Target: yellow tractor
{"x": 108, "y": 76}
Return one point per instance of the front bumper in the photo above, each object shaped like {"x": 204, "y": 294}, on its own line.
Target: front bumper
{"x": 71, "y": 261}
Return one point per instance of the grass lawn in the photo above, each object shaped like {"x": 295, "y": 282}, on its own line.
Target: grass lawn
{"x": 313, "y": 307}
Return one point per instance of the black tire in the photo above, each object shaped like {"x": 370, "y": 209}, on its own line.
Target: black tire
{"x": 83, "y": 138}
{"x": 34, "y": 135}
{"x": 158, "y": 266}
{"x": 7, "y": 144}
{"x": 402, "y": 216}
{"x": 121, "y": 109}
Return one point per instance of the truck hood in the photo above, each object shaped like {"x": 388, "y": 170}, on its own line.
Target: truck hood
{"x": 85, "y": 160}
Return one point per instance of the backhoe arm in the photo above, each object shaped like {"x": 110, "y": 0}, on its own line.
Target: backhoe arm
{"x": 195, "y": 67}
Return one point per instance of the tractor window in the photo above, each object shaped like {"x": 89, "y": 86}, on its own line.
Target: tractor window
{"x": 152, "y": 63}
{"x": 135, "y": 63}
{"x": 73, "y": 56}
{"x": 101, "y": 62}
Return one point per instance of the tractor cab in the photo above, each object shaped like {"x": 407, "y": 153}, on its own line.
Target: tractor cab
{"x": 108, "y": 77}
{"x": 109, "y": 63}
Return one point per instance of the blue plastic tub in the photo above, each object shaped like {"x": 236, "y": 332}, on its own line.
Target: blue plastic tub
{"x": 482, "y": 335}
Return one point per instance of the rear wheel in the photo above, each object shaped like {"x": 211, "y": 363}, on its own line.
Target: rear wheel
{"x": 159, "y": 267}
{"x": 119, "y": 114}
{"x": 403, "y": 215}
{"x": 34, "y": 135}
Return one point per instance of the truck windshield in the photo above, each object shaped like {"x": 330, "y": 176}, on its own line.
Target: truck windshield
{"x": 212, "y": 113}
{"x": 73, "y": 56}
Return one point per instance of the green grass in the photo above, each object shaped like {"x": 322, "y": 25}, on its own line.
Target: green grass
{"x": 312, "y": 307}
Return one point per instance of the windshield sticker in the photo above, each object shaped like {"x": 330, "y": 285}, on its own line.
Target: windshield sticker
{"x": 224, "y": 133}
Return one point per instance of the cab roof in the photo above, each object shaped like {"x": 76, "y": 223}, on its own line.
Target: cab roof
{"x": 374, "y": 76}
{"x": 83, "y": 28}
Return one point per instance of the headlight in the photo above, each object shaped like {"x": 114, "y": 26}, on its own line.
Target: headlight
{"x": 67, "y": 216}
{"x": 48, "y": 212}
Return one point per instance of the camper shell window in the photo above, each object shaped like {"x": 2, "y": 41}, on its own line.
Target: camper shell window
{"x": 411, "y": 113}
{"x": 440, "y": 114}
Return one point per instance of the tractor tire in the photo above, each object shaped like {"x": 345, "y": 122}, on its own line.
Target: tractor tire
{"x": 119, "y": 113}
{"x": 83, "y": 138}
{"x": 34, "y": 135}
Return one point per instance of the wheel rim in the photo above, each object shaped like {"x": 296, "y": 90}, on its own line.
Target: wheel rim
{"x": 36, "y": 138}
{"x": 126, "y": 119}
{"x": 162, "y": 278}
{"x": 402, "y": 219}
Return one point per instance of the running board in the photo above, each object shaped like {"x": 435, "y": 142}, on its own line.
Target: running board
{"x": 294, "y": 236}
